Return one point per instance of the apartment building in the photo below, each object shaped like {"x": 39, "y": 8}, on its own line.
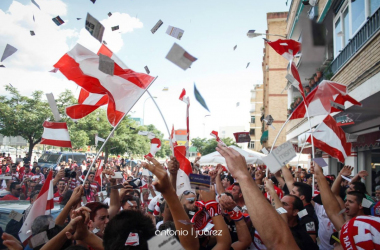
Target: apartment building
{"x": 347, "y": 51}
{"x": 256, "y": 112}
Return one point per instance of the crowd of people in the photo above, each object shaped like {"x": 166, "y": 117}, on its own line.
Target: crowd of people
{"x": 243, "y": 209}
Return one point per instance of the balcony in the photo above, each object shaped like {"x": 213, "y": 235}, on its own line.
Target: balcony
{"x": 355, "y": 44}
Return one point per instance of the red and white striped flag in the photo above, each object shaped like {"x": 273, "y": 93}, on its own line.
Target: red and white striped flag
{"x": 326, "y": 98}
{"x": 41, "y": 206}
{"x": 124, "y": 87}
{"x": 155, "y": 146}
{"x": 186, "y": 100}
{"x": 173, "y": 139}
{"x": 56, "y": 134}
{"x": 331, "y": 139}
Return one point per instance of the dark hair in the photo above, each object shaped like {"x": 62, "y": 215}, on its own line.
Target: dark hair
{"x": 359, "y": 186}
{"x": 85, "y": 172}
{"x": 229, "y": 178}
{"x": 162, "y": 207}
{"x": 307, "y": 176}
{"x": 305, "y": 190}
{"x": 275, "y": 181}
{"x": 76, "y": 247}
{"x": 130, "y": 198}
{"x": 125, "y": 222}
{"x": 13, "y": 185}
{"x": 95, "y": 206}
{"x": 168, "y": 225}
{"x": 297, "y": 203}
{"x": 135, "y": 191}
{"x": 358, "y": 195}
{"x": 34, "y": 193}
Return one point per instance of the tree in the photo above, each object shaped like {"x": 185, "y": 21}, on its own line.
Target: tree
{"x": 23, "y": 116}
{"x": 199, "y": 143}
{"x": 205, "y": 146}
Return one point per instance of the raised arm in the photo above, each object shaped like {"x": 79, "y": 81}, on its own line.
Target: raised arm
{"x": 218, "y": 179}
{"x": 346, "y": 171}
{"x": 273, "y": 230}
{"x": 164, "y": 186}
{"x": 279, "y": 179}
{"x": 288, "y": 178}
{"x": 272, "y": 192}
{"x": 361, "y": 174}
{"x": 74, "y": 200}
{"x": 173, "y": 167}
{"x": 114, "y": 195}
{"x": 329, "y": 201}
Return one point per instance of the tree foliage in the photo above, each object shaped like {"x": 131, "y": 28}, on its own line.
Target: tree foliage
{"x": 207, "y": 146}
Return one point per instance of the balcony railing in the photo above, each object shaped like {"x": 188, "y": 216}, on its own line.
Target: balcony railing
{"x": 356, "y": 43}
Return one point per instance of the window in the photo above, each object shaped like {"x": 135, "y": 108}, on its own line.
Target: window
{"x": 349, "y": 19}
{"x": 252, "y": 131}
{"x": 251, "y": 144}
{"x": 253, "y": 119}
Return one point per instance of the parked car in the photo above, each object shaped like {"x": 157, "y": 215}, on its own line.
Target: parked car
{"x": 51, "y": 160}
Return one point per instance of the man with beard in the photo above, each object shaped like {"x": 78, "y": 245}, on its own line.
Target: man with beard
{"x": 188, "y": 199}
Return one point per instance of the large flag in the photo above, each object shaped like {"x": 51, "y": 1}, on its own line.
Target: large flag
{"x": 123, "y": 86}
{"x": 56, "y": 134}
{"x": 41, "y": 205}
{"x": 326, "y": 98}
{"x": 87, "y": 103}
{"x": 186, "y": 100}
{"x": 331, "y": 139}
{"x": 183, "y": 181}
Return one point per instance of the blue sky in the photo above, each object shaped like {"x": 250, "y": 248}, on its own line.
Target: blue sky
{"x": 212, "y": 29}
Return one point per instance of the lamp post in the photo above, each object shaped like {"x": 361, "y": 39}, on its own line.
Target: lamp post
{"x": 253, "y": 34}
{"x": 144, "y": 108}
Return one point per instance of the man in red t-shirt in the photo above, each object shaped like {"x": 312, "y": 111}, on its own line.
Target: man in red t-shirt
{"x": 62, "y": 188}
{"x": 15, "y": 192}
{"x": 27, "y": 173}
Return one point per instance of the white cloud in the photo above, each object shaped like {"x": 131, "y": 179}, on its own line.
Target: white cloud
{"x": 113, "y": 39}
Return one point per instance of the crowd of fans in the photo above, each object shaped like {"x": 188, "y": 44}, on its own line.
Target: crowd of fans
{"x": 243, "y": 209}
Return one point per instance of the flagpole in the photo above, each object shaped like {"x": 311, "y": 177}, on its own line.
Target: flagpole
{"x": 109, "y": 136}
{"x": 163, "y": 118}
{"x": 312, "y": 142}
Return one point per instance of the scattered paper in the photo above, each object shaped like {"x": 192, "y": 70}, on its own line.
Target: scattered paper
{"x": 8, "y": 51}
{"x": 352, "y": 137}
{"x": 79, "y": 18}
{"x": 34, "y": 19}
{"x": 132, "y": 240}
{"x": 147, "y": 69}
{"x": 34, "y": 2}
{"x": 2, "y": 66}
{"x": 337, "y": 106}
{"x": 165, "y": 89}
{"x": 269, "y": 120}
{"x": 235, "y": 47}
{"x": 58, "y": 21}
{"x": 237, "y": 104}
{"x": 109, "y": 14}
{"x": 247, "y": 65}
{"x": 115, "y": 28}
{"x": 38, "y": 239}
{"x": 199, "y": 98}
{"x": 53, "y": 107}
{"x": 93, "y": 1}
{"x": 200, "y": 182}
{"x": 302, "y": 213}
{"x": 281, "y": 210}
{"x": 157, "y": 26}
{"x": 93, "y": 26}
{"x": 175, "y": 32}
{"x": 180, "y": 57}
{"x": 265, "y": 151}
{"x": 164, "y": 241}
{"x": 346, "y": 178}
{"x": 366, "y": 203}
{"x": 54, "y": 70}
{"x": 342, "y": 211}
{"x": 15, "y": 215}
{"x": 32, "y": 33}
{"x": 106, "y": 64}
{"x": 320, "y": 162}
{"x": 290, "y": 78}
{"x": 242, "y": 137}
{"x": 5, "y": 177}
{"x": 279, "y": 157}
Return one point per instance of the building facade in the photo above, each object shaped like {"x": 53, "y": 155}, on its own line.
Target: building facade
{"x": 228, "y": 131}
{"x": 256, "y": 111}
{"x": 275, "y": 97}
{"x": 347, "y": 51}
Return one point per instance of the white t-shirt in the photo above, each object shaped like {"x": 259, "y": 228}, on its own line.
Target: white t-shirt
{"x": 326, "y": 228}
{"x": 258, "y": 244}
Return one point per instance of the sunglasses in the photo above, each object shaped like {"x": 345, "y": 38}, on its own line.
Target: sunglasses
{"x": 192, "y": 199}
{"x": 186, "y": 192}
{"x": 334, "y": 238}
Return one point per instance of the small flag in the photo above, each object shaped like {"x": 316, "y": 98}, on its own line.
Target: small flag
{"x": 235, "y": 47}
{"x": 109, "y": 14}
{"x": 58, "y": 21}
{"x": 157, "y": 26}
{"x": 115, "y": 28}
{"x": 8, "y": 51}
{"x": 32, "y": 33}
{"x": 247, "y": 65}
{"x": 200, "y": 98}
{"x": 56, "y": 134}
{"x": 147, "y": 70}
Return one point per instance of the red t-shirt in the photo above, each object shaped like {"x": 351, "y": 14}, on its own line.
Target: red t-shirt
{"x": 9, "y": 197}
{"x": 57, "y": 197}
{"x": 279, "y": 193}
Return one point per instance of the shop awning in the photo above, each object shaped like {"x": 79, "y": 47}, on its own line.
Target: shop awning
{"x": 264, "y": 137}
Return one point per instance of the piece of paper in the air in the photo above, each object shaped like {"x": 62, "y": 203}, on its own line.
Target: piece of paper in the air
{"x": 366, "y": 203}
{"x": 93, "y": 1}
{"x": 58, "y": 21}
{"x": 34, "y": 19}
{"x": 247, "y": 65}
{"x": 53, "y": 106}
{"x": 2, "y": 66}
{"x": 118, "y": 175}
{"x": 79, "y": 18}
{"x": 302, "y": 213}
{"x": 95, "y": 28}
{"x": 106, "y": 64}
{"x": 115, "y": 28}
{"x": 164, "y": 242}
{"x": 175, "y": 32}
{"x": 290, "y": 78}
{"x": 109, "y": 14}
{"x": 157, "y": 26}
{"x": 34, "y": 2}
{"x": 54, "y": 70}
{"x": 8, "y": 51}
{"x": 147, "y": 69}
{"x": 237, "y": 104}
{"x": 235, "y": 47}
{"x": 281, "y": 210}
{"x": 320, "y": 162}
{"x": 32, "y": 33}
{"x": 180, "y": 57}
{"x": 265, "y": 151}
{"x": 346, "y": 178}
{"x": 199, "y": 98}
{"x": 269, "y": 120}
{"x": 15, "y": 215}
{"x": 38, "y": 239}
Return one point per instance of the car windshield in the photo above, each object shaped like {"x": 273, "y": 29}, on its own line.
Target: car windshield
{"x": 49, "y": 158}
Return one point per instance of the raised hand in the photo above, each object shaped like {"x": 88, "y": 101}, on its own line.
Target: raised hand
{"x": 11, "y": 242}
{"x": 208, "y": 195}
{"x": 173, "y": 166}
{"x": 219, "y": 168}
{"x": 235, "y": 161}
{"x": 346, "y": 171}
{"x": 163, "y": 184}
{"x": 76, "y": 196}
{"x": 227, "y": 202}
{"x": 268, "y": 184}
{"x": 363, "y": 174}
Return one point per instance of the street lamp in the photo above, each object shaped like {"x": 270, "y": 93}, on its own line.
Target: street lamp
{"x": 252, "y": 34}
{"x": 144, "y": 107}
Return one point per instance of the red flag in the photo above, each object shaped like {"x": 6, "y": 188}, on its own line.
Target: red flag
{"x": 155, "y": 146}
{"x": 331, "y": 139}
{"x": 184, "y": 163}
{"x": 123, "y": 88}
{"x": 56, "y": 134}
{"x": 43, "y": 203}
{"x": 325, "y": 99}
{"x": 98, "y": 175}
{"x": 215, "y": 135}
{"x": 186, "y": 100}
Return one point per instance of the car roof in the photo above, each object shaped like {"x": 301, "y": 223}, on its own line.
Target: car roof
{"x": 20, "y": 206}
